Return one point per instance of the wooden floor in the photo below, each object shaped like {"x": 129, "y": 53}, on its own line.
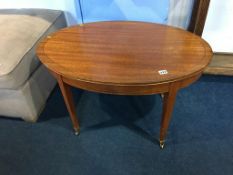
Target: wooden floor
{"x": 221, "y": 64}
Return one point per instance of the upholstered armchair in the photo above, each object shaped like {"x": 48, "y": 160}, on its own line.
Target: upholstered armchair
{"x": 25, "y": 84}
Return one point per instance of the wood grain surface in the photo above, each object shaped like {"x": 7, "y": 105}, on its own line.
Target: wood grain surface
{"x": 124, "y": 53}
{"x": 198, "y": 17}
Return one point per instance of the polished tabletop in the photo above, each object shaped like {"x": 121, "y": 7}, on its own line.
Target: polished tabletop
{"x": 125, "y": 58}
{"x": 124, "y": 53}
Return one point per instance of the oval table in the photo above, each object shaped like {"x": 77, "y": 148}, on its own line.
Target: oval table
{"x": 125, "y": 58}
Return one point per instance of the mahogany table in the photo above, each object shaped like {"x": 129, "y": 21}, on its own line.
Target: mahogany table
{"x": 125, "y": 58}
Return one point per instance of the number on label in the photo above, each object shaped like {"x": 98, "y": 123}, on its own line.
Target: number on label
{"x": 163, "y": 72}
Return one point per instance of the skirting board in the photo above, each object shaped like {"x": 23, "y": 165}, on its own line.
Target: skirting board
{"x": 221, "y": 64}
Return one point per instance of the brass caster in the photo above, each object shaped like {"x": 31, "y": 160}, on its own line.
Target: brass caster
{"x": 161, "y": 143}
{"x": 76, "y": 131}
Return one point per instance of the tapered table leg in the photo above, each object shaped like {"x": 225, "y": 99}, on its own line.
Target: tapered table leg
{"x": 68, "y": 98}
{"x": 168, "y": 104}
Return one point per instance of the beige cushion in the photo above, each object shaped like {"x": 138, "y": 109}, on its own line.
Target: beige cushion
{"x": 20, "y": 32}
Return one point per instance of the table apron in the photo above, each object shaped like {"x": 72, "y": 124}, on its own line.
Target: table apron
{"x": 116, "y": 89}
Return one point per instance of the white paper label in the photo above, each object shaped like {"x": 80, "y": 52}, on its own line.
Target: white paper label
{"x": 163, "y": 72}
